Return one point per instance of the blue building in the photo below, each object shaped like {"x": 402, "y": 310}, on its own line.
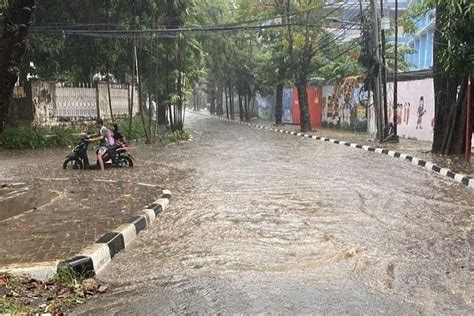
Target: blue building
{"x": 421, "y": 42}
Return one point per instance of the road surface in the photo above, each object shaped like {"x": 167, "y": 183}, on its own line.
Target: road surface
{"x": 270, "y": 223}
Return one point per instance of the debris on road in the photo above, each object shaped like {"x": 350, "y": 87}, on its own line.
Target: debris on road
{"x": 26, "y": 295}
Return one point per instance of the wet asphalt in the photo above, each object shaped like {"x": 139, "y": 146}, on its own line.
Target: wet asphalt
{"x": 270, "y": 223}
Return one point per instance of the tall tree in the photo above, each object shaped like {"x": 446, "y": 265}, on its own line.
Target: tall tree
{"x": 453, "y": 63}
{"x": 13, "y": 45}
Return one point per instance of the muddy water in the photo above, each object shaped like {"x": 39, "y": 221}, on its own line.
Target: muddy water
{"x": 268, "y": 223}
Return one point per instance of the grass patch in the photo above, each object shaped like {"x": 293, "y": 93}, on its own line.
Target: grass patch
{"x": 13, "y": 307}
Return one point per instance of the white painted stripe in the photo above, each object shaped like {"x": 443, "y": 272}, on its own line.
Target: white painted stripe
{"x": 378, "y": 150}
{"x": 150, "y": 216}
{"x": 366, "y": 148}
{"x": 99, "y": 253}
{"x": 458, "y": 177}
{"x": 167, "y": 192}
{"x": 128, "y": 232}
{"x": 429, "y": 166}
{"x": 355, "y": 145}
{"x": 415, "y": 161}
{"x": 332, "y": 141}
{"x": 306, "y": 135}
{"x": 323, "y": 138}
{"x": 163, "y": 202}
{"x": 403, "y": 156}
{"x": 391, "y": 153}
{"x": 471, "y": 183}
{"x": 299, "y": 134}
{"x": 444, "y": 171}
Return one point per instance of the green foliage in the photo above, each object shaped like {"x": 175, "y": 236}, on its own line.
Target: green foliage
{"x": 65, "y": 277}
{"x": 10, "y": 306}
{"x": 137, "y": 131}
{"x": 35, "y": 138}
{"x": 177, "y": 136}
{"x": 22, "y": 138}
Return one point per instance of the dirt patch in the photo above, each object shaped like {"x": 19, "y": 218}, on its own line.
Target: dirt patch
{"x": 14, "y": 202}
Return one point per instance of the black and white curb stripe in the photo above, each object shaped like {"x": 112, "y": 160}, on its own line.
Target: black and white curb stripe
{"x": 457, "y": 177}
{"x": 93, "y": 258}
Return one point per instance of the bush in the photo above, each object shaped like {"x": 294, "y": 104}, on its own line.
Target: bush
{"x": 35, "y": 138}
{"x": 177, "y": 136}
{"x": 22, "y": 138}
{"x": 137, "y": 132}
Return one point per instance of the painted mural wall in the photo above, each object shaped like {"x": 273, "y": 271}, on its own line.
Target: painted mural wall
{"x": 287, "y": 104}
{"x": 314, "y": 106}
{"x": 265, "y": 107}
{"x": 345, "y": 109}
{"x": 415, "y": 111}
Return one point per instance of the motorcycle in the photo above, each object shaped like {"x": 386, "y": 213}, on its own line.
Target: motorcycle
{"x": 116, "y": 156}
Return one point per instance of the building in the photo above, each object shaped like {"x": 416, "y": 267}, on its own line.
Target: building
{"x": 421, "y": 42}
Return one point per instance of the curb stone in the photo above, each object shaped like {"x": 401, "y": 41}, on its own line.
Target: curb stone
{"x": 93, "y": 258}
{"x": 430, "y": 166}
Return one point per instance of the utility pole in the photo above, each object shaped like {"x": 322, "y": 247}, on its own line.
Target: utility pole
{"x": 469, "y": 119}
{"x": 395, "y": 137}
{"x": 378, "y": 91}
{"x": 384, "y": 68}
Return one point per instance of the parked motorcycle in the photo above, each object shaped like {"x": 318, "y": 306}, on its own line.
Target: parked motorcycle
{"x": 116, "y": 156}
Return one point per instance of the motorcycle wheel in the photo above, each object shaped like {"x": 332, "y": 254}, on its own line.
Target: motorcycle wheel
{"x": 73, "y": 163}
{"x": 126, "y": 161}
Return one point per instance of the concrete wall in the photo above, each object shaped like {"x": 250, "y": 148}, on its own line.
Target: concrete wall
{"x": 53, "y": 102}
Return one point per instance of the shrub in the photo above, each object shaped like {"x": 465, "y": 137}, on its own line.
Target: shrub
{"x": 177, "y": 136}
{"x": 22, "y": 138}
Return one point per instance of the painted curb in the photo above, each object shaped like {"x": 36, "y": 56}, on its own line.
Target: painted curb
{"x": 430, "y": 166}
{"x": 93, "y": 258}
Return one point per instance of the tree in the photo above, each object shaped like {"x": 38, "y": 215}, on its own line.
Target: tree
{"x": 453, "y": 63}
{"x": 303, "y": 46}
{"x": 13, "y": 46}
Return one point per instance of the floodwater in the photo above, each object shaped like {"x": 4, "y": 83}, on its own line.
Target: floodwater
{"x": 270, "y": 223}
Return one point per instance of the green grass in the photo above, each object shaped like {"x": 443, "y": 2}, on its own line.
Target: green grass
{"x": 13, "y": 306}
{"x": 60, "y": 293}
{"x": 66, "y": 277}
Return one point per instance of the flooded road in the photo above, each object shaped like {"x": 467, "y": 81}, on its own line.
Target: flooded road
{"x": 270, "y": 223}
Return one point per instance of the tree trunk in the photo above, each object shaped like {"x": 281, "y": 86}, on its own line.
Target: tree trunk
{"x": 12, "y": 49}
{"x": 241, "y": 108}
{"x": 231, "y": 96}
{"x": 247, "y": 107}
{"x": 110, "y": 96}
{"x": 140, "y": 99}
{"x": 226, "y": 101}
{"x": 220, "y": 105}
{"x": 305, "y": 121}
{"x": 450, "y": 100}
{"x": 279, "y": 105}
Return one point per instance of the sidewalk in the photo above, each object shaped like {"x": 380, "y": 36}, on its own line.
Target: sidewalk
{"x": 50, "y": 214}
{"x": 416, "y": 148}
